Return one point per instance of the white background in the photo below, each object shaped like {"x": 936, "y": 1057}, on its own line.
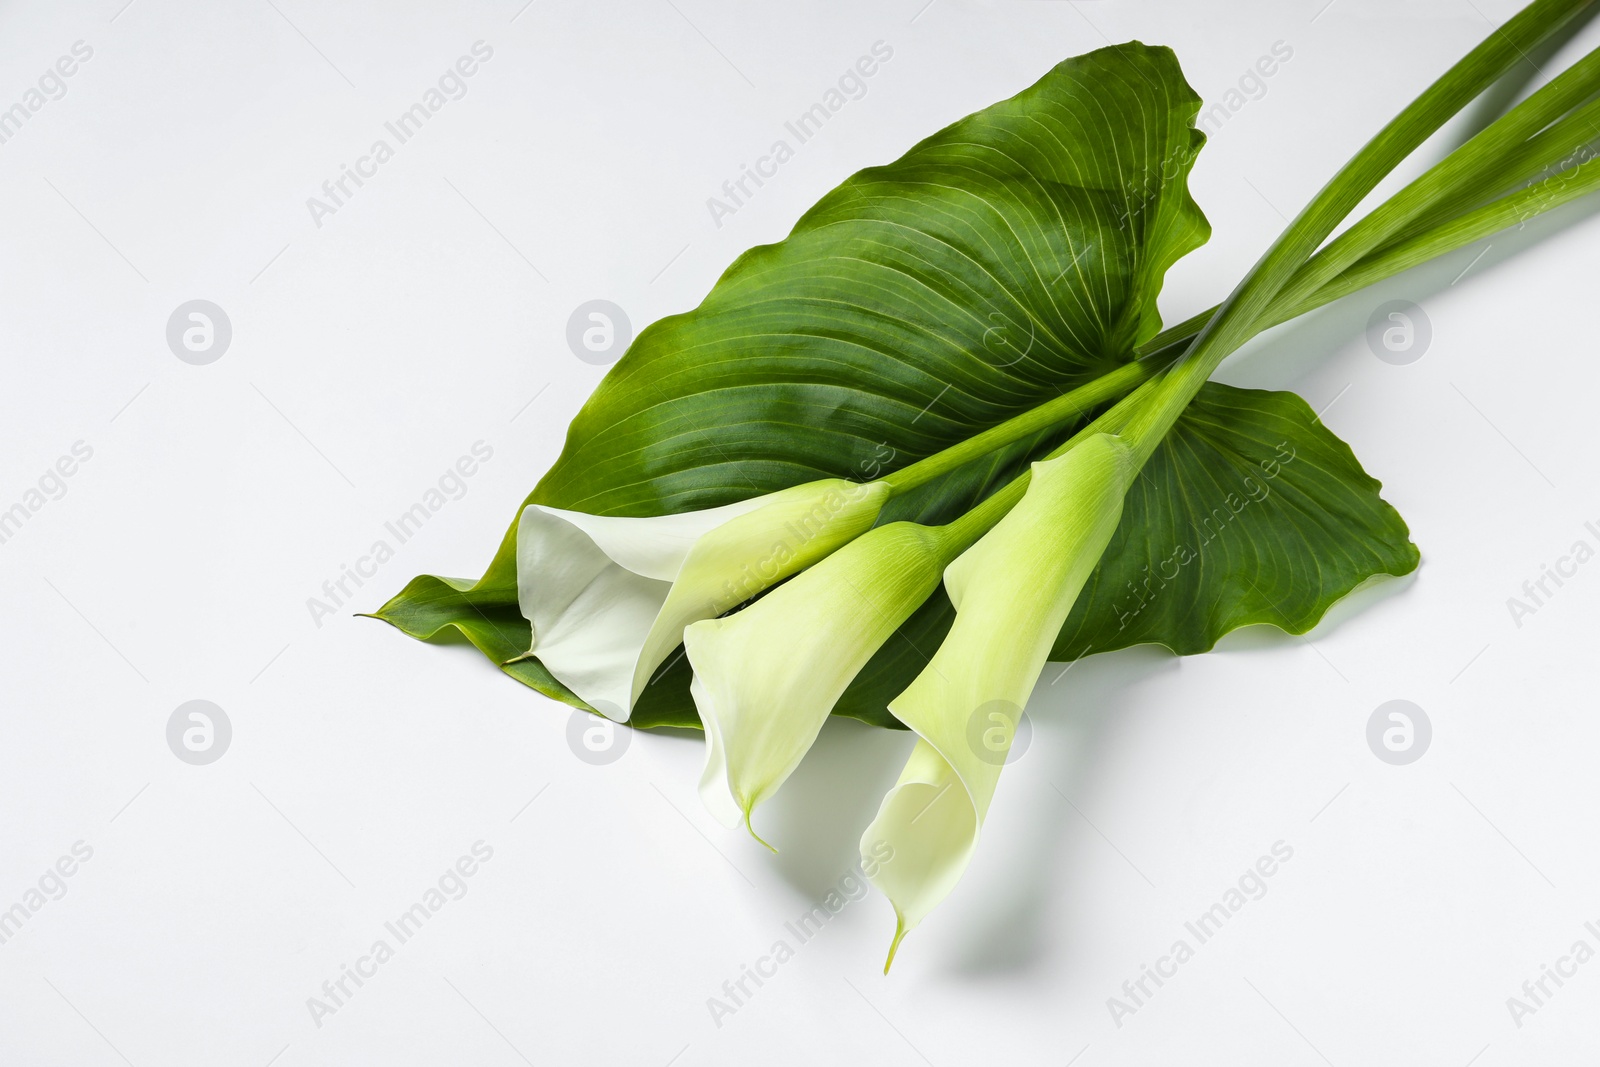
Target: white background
{"x": 429, "y": 313}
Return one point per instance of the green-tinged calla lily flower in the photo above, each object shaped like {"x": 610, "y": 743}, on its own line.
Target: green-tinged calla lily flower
{"x": 608, "y": 597}
{"x": 766, "y": 678}
{"x": 1012, "y": 591}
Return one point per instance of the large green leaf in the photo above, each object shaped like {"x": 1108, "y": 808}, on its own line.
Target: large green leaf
{"x": 1251, "y": 512}
{"x": 1006, "y": 259}
{"x": 1012, "y": 256}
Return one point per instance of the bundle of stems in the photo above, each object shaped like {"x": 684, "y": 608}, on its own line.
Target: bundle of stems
{"x": 774, "y": 638}
{"x": 1536, "y": 157}
{"x": 1011, "y": 593}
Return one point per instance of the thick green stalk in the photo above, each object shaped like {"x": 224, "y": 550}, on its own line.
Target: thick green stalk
{"x": 1236, "y": 320}
{"x": 1560, "y": 146}
{"x": 1571, "y": 184}
{"x": 1395, "y": 258}
{"x": 1563, "y": 188}
{"x": 1062, "y": 409}
{"x": 1502, "y": 153}
{"x": 1150, "y": 410}
{"x": 1482, "y": 153}
{"x": 975, "y": 523}
{"x": 1443, "y": 235}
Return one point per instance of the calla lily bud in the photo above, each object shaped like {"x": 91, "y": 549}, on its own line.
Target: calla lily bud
{"x": 766, "y": 678}
{"x": 1012, "y": 591}
{"x": 608, "y": 597}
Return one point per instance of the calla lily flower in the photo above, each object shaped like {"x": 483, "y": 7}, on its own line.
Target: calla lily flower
{"x": 766, "y": 677}
{"x": 1012, "y": 591}
{"x": 608, "y": 597}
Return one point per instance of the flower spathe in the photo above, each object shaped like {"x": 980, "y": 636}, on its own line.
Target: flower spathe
{"x": 608, "y": 597}
{"x": 766, "y": 678}
{"x": 1012, "y": 591}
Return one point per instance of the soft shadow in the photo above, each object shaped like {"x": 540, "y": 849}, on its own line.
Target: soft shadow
{"x": 816, "y": 820}
{"x": 1499, "y": 97}
{"x": 681, "y": 734}
{"x": 1070, "y": 718}
{"x": 1288, "y": 353}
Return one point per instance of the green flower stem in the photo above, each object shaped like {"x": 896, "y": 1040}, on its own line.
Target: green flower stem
{"x": 1064, "y": 408}
{"x": 1559, "y": 146}
{"x": 1417, "y": 246}
{"x": 1571, "y": 184}
{"x": 1149, "y": 411}
{"x": 974, "y": 524}
{"x": 1395, "y": 258}
{"x": 1501, "y": 156}
{"x": 1409, "y": 250}
{"x": 1483, "y": 153}
{"x": 1481, "y": 169}
{"x": 1237, "y": 319}
{"x": 1512, "y": 210}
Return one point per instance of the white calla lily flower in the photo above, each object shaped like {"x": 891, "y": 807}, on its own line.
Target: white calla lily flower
{"x": 1012, "y": 591}
{"x": 766, "y": 678}
{"x": 608, "y": 597}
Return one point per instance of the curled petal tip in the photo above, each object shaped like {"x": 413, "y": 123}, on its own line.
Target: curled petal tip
{"x": 894, "y": 946}
{"x": 766, "y": 677}
{"x": 753, "y": 833}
